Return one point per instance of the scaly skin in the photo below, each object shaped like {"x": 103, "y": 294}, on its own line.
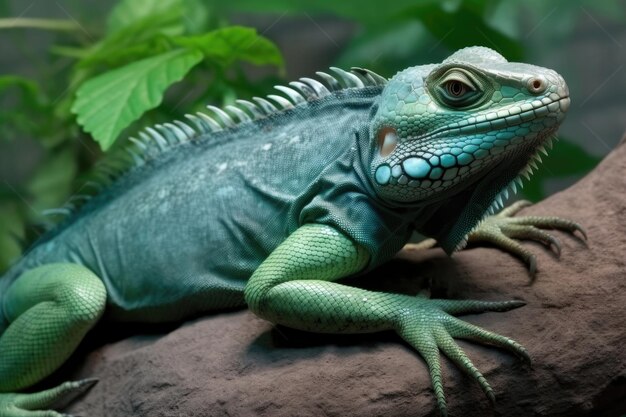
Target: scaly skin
{"x": 271, "y": 211}
{"x": 35, "y": 405}
{"x": 50, "y": 308}
{"x": 501, "y": 229}
{"x": 292, "y": 287}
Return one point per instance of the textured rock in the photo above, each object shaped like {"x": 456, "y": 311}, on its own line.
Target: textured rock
{"x": 236, "y": 364}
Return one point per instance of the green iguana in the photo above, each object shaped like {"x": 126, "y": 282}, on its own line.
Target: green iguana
{"x": 269, "y": 204}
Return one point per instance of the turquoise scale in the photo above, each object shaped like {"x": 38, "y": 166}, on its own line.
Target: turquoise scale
{"x": 416, "y": 167}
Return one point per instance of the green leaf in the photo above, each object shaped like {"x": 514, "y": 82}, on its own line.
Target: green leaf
{"x": 234, "y": 43}
{"x": 108, "y": 103}
{"x": 128, "y": 12}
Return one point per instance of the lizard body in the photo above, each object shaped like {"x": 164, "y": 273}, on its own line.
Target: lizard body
{"x": 269, "y": 212}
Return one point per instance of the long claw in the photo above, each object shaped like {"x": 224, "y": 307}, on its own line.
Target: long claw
{"x": 501, "y": 229}
{"x": 449, "y": 347}
{"x": 431, "y": 355}
{"x": 551, "y": 222}
{"x": 455, "y": 307}
{"x": 502, "y": 241}
{"x": 556, "y": 244}
{"x": 532, "y": 266}
{"x": 531, "y": 232}
{"x": 428, "y": 326}
{"x": 464, "y": 330}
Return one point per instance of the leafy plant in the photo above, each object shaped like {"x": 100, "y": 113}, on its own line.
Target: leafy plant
{"x": 121, "y": 76}
{"x": 106, "y": 104}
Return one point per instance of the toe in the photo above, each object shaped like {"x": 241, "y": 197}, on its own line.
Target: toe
{"x": 550, "y": 222}
{"x": 449, "y": 347}
{"x": 532, "y": 233}
{"x": 422, "y": 340}
{"x": 456, "y": 307}
{"x": 57, "y": 397}
{"x": 460, "y": 329}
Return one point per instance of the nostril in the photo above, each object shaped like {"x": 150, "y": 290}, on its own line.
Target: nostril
{"x": 537, "y": 85}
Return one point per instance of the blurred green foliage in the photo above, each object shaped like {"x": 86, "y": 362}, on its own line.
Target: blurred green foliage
{"x": 119, "y": 80}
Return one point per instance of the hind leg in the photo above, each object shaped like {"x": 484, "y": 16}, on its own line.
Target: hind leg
{"x": 50, "y": 309}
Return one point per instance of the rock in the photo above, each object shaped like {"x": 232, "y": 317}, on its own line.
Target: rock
{"x": 236, "y": 364}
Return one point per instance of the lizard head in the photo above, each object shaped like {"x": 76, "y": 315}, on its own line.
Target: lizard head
{"x": 456, "y": 135}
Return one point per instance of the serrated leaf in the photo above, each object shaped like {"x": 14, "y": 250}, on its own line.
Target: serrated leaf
{"x": 108, "y": 103}
{"x": 234, "y": 43}
{"x": 127, "y": 12}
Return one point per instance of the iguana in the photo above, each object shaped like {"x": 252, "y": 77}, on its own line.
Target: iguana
{"x": 269, "y": 203}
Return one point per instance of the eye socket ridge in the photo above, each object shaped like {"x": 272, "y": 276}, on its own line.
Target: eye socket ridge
{"x": 458, "y": 89}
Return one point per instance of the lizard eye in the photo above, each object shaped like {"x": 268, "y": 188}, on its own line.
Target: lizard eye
{"x": 457, "y": 89}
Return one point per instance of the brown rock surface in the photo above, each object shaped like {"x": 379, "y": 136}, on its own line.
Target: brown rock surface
{"x": 236, "y": 364}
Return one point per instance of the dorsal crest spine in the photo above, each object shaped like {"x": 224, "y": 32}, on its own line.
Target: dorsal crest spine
{"x": 154, "y": 140}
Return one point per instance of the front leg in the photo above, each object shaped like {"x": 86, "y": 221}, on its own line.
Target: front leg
{"x": 501, "y": 229}
{"x": 294, "y": 287}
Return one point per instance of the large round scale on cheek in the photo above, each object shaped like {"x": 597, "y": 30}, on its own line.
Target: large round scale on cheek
{"x": 416, "y": 167}
{"x": 382, "y": 175}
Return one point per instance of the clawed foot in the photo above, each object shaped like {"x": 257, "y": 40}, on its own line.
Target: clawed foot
{"x": 430, "y": 326}
{"x": 38, "y": 404}
{"x": 501, "y": 230}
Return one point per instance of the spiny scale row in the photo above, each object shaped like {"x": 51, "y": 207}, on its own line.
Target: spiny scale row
{"x": 298, "y": 92}
{"x": 160, "y": 137}
{"x": 512, "y": 187}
